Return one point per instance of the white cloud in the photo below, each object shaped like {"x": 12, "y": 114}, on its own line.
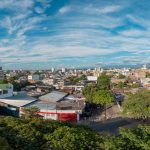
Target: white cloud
{"x": 85, "y": 35}
{"x": 110, "y": 9}
{"x": 133, "y": 33}
{"x": 39, "y": 10}
{"x": 16, "y": 6}
{"x": 64, "y": 9}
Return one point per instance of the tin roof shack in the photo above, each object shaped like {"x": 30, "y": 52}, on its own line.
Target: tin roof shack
{"x": 14, "y": 103}
{"x": 59, "y": 106}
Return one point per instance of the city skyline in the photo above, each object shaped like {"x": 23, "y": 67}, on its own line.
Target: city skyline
{"x": 71, "y": 33}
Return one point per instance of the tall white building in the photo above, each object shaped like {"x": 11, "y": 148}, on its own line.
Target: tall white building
{"x": 144, "y": 67}
{"x": 63, "y": 70}
{"x": 53, "y": 69}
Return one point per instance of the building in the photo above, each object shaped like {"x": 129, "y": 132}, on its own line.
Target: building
{"x": 63, "y": 70}
{"x": 116, "y": 81}
{"x": 12, "y": 105}
{"x": 6, "y": 90}
{"x": 144, "y": 67}
{"x": 53, "y": 70}
{"x": 1, "y": 74}
{"x": 48, "y": 81}
{"x": 92, "y": 78}
{"x": 59, "y": 106}
{"x": 33, "y": 77}
{"x": 145, "y": 82}
{"x": 11, "y": 102}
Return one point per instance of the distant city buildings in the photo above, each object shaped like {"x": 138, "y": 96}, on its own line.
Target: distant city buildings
{"x": 58, "y": 93}
{"x": 33, "y": 78}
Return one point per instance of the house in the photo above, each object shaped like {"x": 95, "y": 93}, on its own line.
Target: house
{"x": 92, "y": 78}
{"x": 15, "y": 102}
{"x": 48, "y": 81}
{"x": 145, "y": 82}
{"x": 33, "y": 78}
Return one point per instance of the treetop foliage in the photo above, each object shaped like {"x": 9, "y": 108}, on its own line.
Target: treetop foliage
{"x": 38, "y": 134}
{"x": 137, "y": 105}
{"x": 103, "y": 97}
{"x": 99, "y": 93}
{"x": 103, "y": 82}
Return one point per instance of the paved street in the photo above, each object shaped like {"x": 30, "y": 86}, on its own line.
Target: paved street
{"x": 112, "y": 126}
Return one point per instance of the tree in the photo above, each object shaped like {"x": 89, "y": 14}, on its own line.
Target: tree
{"x": 130, "y": 139}
{"x": 103, "y": 82}
{"x": 88, "y": 92}
{"x": 4, "y": 144}
{"x": 103, "y": 97}
{"x": 120, "y": 85}
{"x": 30, "y": 112}
{"x": 3, "y": 81}
{"x": 147, "y": 74}
{"x": 39, "y": 134}
{"x": 66, "y": 138}
{"x": 16, "y": 85}
{"x": 137, "y": 105}
{"x": 138, "y": 138}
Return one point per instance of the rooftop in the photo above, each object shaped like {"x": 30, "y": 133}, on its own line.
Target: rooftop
{"x": 18, "y": 100}
{"x": 54, "y": 96}
{"x": 42, "y": 105}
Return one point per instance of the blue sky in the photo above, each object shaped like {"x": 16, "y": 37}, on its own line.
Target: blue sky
{"x": 73, "y": 33}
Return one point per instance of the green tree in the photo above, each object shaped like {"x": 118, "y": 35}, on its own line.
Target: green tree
{"x": 130, "y": 139}
{"x": 103, "y": 97}
{"x": 137, "y": 105}
{"x": 103, "y": 82}
{"x": 147, "y": 75}
{"x": 3, "y": 81}
{"x": 88, "y": 92}
{"x": 4, "y": 144}
{"x": 138, "y": 138}
{"x": 30, "y": 112}
{"x": 17, "y": 86}
{"x": 39, "y": 134}
{"x": 120, "y": 85}
{"x": 66, "y": 138}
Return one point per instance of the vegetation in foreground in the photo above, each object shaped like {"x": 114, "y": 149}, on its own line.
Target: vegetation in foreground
{"x": 38, "y": 134}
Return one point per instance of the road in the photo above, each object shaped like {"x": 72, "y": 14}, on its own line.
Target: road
{"x": 112, "y": 126}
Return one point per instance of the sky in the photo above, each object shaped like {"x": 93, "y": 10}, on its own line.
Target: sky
{"x": 37, "y": 34}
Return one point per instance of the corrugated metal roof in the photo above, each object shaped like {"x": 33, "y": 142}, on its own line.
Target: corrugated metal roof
{"x": 18, "y": 100}
{"x": 42, "y": 105}
{"x": 54, "y": 96}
